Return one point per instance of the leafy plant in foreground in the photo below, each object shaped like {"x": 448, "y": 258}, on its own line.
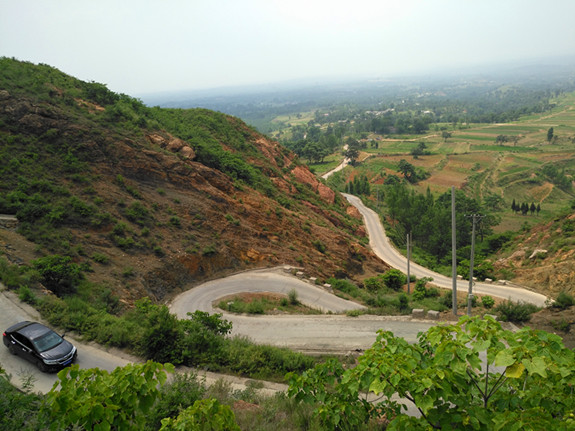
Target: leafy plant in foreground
{"x": 470, "y": 375}
{"x": 97, "y": 399}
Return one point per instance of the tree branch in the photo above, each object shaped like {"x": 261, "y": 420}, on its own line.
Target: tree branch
{"x": 475, "y": 383}
{"x": 486, "y": 384}
{"x": 497, "y": 385}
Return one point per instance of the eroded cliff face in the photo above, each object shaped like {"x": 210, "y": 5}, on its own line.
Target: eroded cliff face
{"x": 542, "y": 258}
{"x": 199, "y": 222}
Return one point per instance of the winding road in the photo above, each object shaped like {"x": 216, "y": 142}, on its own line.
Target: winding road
{"x": 335, "y": 333}
{"x": 311, "y": 333}
{"x": 383, "y": 248}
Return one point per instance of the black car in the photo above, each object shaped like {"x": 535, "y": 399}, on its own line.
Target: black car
{"x": 40, "y": 345}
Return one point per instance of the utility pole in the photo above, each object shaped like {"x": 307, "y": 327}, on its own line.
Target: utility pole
{"x": 408, "y": 258}
{"x": 453, "y": 254}
{"x": 470, "y": 293}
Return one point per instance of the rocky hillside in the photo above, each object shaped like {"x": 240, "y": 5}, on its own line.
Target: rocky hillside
{"x": 542, "y": 257}
{"x": 150, "y": 201}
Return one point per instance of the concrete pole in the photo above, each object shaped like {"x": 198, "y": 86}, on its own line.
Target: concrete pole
{"x": 470, "y": 293}
{"x": 453, "y": 254}
{"x": 408, "y": 258}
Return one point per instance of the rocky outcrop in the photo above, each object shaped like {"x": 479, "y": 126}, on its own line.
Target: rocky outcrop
{"x": 173, "y": 145}
{"x": 8, "y": 221}
{"x": 305, "y": 176}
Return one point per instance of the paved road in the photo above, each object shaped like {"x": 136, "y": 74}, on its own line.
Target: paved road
{"x": 89, "y": 356}
{"x": 383, "y": 248}
{"x": 335, "y": 332}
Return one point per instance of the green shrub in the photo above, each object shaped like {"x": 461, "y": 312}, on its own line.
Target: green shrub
{"x": 203, "y": 414}
{"x": 403, "y": 303}
{"x": 293, "y": 297}
{"x": 255, "y": 307}
{"x": 320, "y": 246}
{"x": 181, "y": 391}
{"x": 20, "y": 410}
{"x": 59, "y": 273}
{"x": 345, "y": 286}
{"x": 487, "y": 301}
{"x": 374, "y": 283}
{"x": 563, "y": 301}
{"x": 26, "y": 295}
{"x": 100, "y": 258}
{"x": 394, "y": 279}
{"x": 421, "y": 292}
{"x": 163, "y": 337}
{"x": 11, "y": 275}
{"x": 260, "y": 361}
{"x": 137, "y": 213}
{"x": 447, "y": 300}
{"x": 230, "y": 218}
{"x": 516, "y": 312}
{"x": 561, "y": 325}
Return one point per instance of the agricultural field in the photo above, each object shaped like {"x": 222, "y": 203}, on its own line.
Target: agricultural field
{"x": 473, "y": 160}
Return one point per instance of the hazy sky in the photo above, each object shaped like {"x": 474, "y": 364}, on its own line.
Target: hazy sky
{"x": 141, "y": 46}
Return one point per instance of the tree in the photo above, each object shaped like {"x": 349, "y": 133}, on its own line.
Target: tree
{"x": 501, "y": 139}
{"x": 469, "y": 375}
{"x": 420, "y": 126}
{"x": 59, "y": 273}
{"x": 550, "y": 134}
{"x": 419, "y": 150}
{"x": 445, "y": 135}
{"x": 408, "y": 170}
{"x": 494, "y": 201}
{"x": 524, "y": 208}
{"x": 352, "y": 152}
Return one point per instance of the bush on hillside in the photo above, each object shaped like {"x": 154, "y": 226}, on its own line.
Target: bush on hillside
{"x": 516, "y": 312}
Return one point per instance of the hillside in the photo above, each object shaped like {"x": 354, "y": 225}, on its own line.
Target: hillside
{"x": 151, "y": 201}
{"x": 542, "y": 257}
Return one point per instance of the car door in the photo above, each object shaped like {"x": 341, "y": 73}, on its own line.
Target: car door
{"x": 24, "y": 348}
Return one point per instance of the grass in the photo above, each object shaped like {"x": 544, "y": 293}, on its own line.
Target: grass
{"x": 264, "y": 303}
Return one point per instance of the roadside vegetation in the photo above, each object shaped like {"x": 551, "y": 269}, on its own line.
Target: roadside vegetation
{"x": 468, "y": 374}
{"x": 150, "y": 330}
{"x": 265, "y": 303}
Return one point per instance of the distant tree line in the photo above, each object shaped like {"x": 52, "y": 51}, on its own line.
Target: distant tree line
{"x": 359, "y": 186}
{"x": 525, "y": 208}
{"x": 428, "y": 219}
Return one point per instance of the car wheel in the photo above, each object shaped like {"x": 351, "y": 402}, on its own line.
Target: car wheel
{"x": 42, "y": 366}
{"x": 12, "y": 349}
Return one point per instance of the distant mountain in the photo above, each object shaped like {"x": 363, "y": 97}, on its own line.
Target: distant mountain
{"x": 150, "y": 201}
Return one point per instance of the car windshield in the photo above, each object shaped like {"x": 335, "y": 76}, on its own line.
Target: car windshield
{"x": 47, "y": 341}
